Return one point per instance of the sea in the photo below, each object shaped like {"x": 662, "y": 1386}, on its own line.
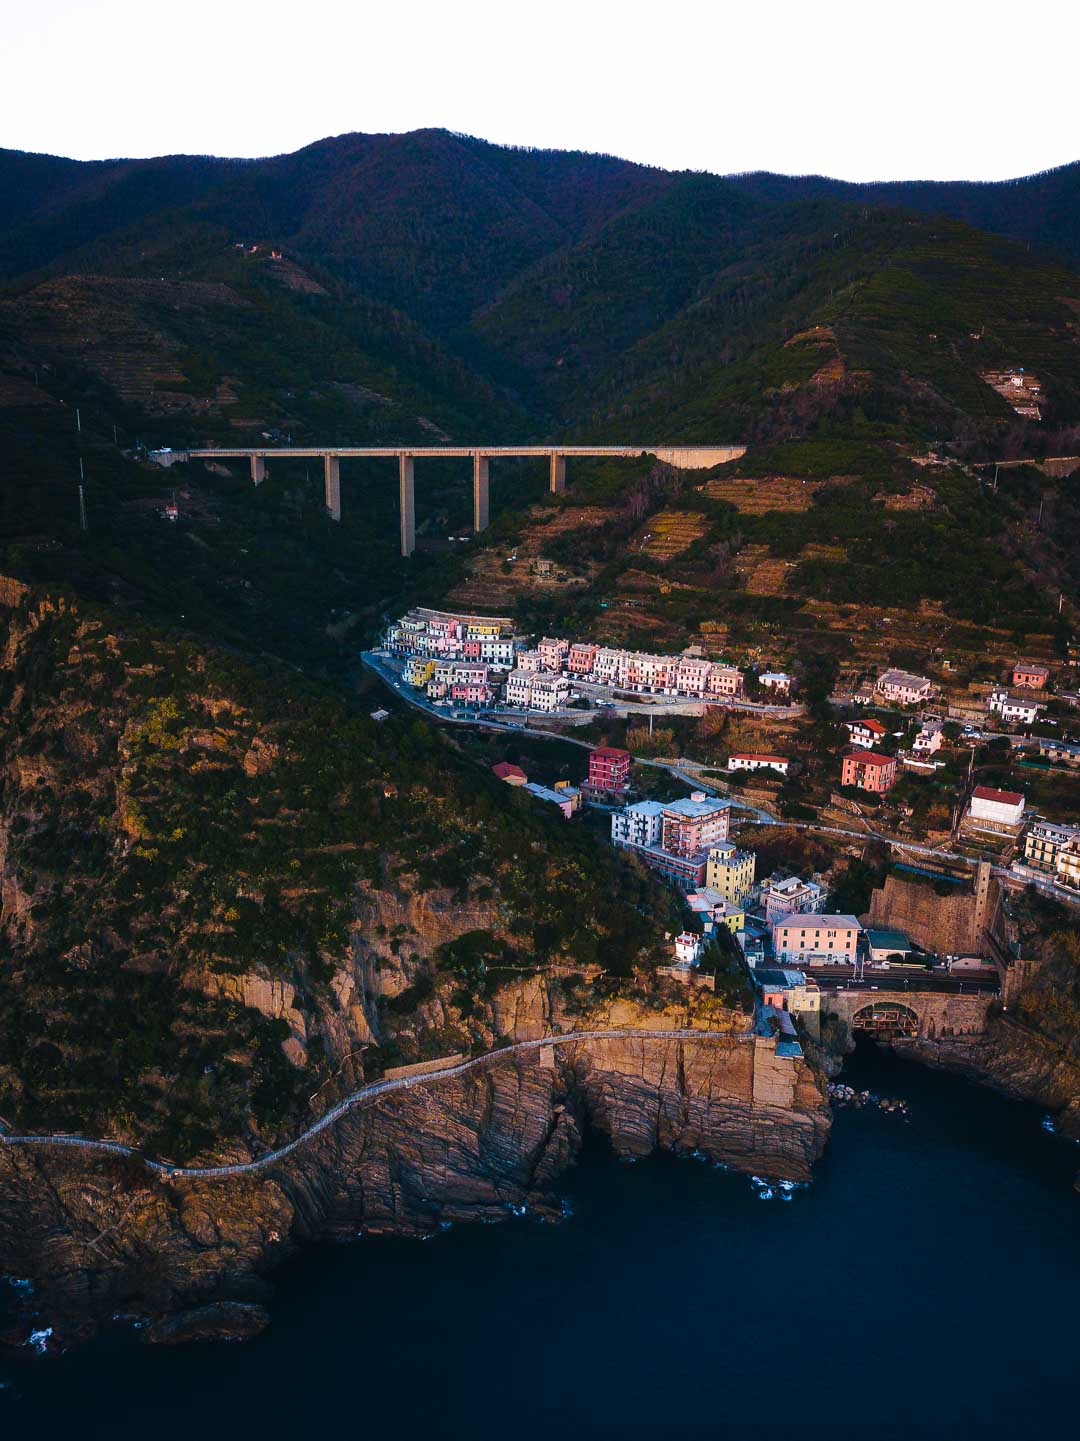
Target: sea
{"x": 924, "y": 1284}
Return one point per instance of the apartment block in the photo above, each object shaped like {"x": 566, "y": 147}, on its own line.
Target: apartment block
{"x": 581, "y": 658}
{"x": 729, "y": 872}
{"x": 553, "y": 652}
{"x": 805, "y": 937}
{"x": 694, "y": 825}
{"x": 609, "y": 768}
{"x": 638, "y": 825}
{"x": 869, "y": 770}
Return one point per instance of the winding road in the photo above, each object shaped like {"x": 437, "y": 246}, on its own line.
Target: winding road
{"x": 374, "y": 1091}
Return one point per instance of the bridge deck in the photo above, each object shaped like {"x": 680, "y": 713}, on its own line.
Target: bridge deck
{"x": 421, "y": 452}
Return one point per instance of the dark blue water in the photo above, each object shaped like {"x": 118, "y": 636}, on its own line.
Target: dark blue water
{"x": 926, "y": 1285}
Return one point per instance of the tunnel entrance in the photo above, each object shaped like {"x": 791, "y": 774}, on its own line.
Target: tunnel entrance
{"x": 886, "y": 1018}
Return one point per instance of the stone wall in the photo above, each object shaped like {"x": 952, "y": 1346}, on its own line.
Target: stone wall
{"x": 940, "y": 1013}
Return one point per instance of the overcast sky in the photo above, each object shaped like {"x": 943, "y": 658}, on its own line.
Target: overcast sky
{"x": 870, "y": 90}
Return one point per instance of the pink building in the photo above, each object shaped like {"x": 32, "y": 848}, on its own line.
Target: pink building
{"x": 470, "y": 649}
{"x": 472, "y": 693}
{"x": 553, "y": 653}
{"x": 530, "y": 661}
{"x": 691, "y": 826}
{"x": 724, "y": 680}
{"x": 581, "y": 658}
{"x": 692, "y": 676}
{"x": 810, "y": 937}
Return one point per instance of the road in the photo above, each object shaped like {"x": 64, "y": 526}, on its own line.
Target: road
{"x": 681, "y": 768}
{"x": 375, "y": 1091}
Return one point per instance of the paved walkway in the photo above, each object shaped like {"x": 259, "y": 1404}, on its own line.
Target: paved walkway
{"x": 375, "y": 1091}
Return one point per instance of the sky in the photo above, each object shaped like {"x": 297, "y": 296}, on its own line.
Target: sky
{"x": 874, "y": 90}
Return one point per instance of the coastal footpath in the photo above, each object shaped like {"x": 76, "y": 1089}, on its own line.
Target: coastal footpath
{"x": 186, "y": 1254}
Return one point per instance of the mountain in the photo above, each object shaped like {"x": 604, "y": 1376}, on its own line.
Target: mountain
{"x": 1040, "y": 209}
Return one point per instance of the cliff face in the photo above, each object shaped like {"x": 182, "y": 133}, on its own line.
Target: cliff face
{"x": 1014, "y": 1058}
{"x": 98, "y": 1236}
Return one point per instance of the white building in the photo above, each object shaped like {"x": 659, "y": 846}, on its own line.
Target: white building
{"x": 866, "y": 733}
{"x": 638, "y": 825}
{"x": 1013, "y": 709}
{"x": 549, "y": 692}
{"x": 755, "y": 761}
{"x": 929, "y": 740}
{"x": 518, "y": 688}
{"x": 1001, "y": 812}
{"x": 496, "y": 651}
{"x": 687, "y": 949}
{"x": 775, "y": 680}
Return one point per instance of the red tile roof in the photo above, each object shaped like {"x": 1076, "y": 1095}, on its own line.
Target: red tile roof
{"x": 757, "y": 756}
{"x": 869, "y": 758}
{"x": 505, "y": 769}
{"x": 1005, "y": 798}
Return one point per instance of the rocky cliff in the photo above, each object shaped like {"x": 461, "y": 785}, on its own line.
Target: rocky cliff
{"x": 102, "y": 1237}
{"x": 227, "y": 903}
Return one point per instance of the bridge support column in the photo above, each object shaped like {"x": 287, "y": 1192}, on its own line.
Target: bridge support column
{"x": 480, "y": 477}
{"x": 557, "y": 483}
{"x": 332, "y": 478}
{"x": 258, "y": 469}
{"x": 408, "y": 504}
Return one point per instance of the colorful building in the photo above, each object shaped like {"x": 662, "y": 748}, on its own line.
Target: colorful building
{"x": 553, "y": 652}
{"x": 789, "y": 895}
{"x": 581, "y": 658}
{"x": 553, "y": 797}
{"x": 513, "y": 775}
{"x": 716, "y": 910}
{"x": 609, "y": 768}
{"x": 729, "y": 872}
{"x": 1030, "y": 675}
{"x": 1045, "y": 841}
{"x": 806, "y": 936}
{"x": 694, "y": 825}
{"x": 869, "y": 770}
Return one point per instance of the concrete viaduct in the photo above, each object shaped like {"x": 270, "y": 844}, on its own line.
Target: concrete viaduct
{"x": 685, "y": 457}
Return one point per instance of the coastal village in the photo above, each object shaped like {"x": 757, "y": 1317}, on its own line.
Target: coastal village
{"x": 791, "y": 944}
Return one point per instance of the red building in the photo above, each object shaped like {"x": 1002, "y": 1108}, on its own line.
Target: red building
{"x": 1030, "y": 675}
{"x": 609, "y": 768}
{"x": 869, "y": 770}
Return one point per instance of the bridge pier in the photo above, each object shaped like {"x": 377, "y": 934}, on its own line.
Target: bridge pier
{"x": 258, "y": 469}
{"x": 407, "y": 496}
{"x": 332, "y": 479}
{"x": 480, "y": 478}
{"x": 557, "y": 482}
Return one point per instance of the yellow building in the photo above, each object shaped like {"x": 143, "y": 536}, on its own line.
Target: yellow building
{"x": 730, "y": 872}
{"x": 419, "y": 670}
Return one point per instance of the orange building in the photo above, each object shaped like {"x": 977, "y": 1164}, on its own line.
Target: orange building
{"x": 869, "y": 770}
